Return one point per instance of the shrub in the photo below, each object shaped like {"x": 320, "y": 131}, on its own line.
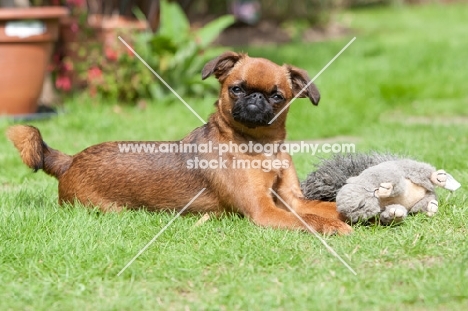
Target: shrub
{"x": 176, "y": 52}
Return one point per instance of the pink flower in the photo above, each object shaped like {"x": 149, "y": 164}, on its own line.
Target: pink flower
{"x": 94, "y": 73}
{"x": 67, "y": 65}
{"x": 111, "y": 54}
{"x": 94, "y": 76}
{"x": 76, "y": 3}
{"x": 74, "y": 27}
{"x": 63, "y": 83}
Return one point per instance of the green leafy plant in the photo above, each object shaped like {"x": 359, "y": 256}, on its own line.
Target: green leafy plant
{"x": 176, "y": 52}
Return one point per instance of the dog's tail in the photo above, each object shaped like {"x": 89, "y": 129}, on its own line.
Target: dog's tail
{"x": 35, "y": 153}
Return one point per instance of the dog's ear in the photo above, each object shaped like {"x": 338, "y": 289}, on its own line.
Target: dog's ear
{"x": 221, "y": 65}
{"x": 299, "y": 80}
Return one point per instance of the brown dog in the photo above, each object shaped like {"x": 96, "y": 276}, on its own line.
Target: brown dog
{"x": 253, "y": 91}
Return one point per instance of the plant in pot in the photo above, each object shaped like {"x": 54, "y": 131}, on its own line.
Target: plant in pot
{"x": 93, "y": 27}
{"x": 27, "y": 35}
{"x": 177, "y": 52}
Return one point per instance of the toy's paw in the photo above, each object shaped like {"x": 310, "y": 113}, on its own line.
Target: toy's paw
{"x": 432, "y": 208}
{"x": 397, "y": 212}
{"x": 393, "y": 213}
{"x": 384, "y": 191}
{"x": 439, "y": 178}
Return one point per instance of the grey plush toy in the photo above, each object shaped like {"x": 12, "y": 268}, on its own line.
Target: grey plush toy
{"x": 381, "y": 186}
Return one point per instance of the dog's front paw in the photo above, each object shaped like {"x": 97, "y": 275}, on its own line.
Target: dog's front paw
{"x": 336, "y": 227}
{"x": 432, "y": 208}
{"x": 393, "y": 213}
{"x": 384, "y": 191}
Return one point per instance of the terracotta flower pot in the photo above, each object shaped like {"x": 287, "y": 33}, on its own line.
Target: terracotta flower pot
{"x": 26, "y": 41}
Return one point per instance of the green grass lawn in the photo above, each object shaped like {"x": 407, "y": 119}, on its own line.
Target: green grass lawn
{"x": 400, "y": 87}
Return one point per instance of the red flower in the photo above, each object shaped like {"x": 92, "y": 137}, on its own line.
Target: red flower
{"x": 63, "y": 83}
{"x": 67, "y": 65}
{"x": 94, "y": 73}
{"x": 76, "y": 3}
{"x": 111, "y": 54}
{"x": 74, "y": 27}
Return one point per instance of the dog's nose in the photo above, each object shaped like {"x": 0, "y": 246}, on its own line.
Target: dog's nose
{"x": 256, "y": 100}
{"x": 257, "y": 96}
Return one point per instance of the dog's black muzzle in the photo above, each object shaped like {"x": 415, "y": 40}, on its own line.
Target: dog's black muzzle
{"x": 253, "y": 110}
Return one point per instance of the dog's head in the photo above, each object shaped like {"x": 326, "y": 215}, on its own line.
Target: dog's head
{"x": 255, "y": 90}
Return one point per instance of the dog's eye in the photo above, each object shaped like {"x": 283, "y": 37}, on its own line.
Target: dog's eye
{"x": 277, "y": 97}
{"x": 236, "y": 90}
